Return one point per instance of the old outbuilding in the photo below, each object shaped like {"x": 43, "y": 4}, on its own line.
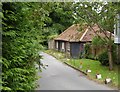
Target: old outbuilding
{"x": 73, "y": 39}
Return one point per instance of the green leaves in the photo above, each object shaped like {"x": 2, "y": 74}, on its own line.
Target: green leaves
{"x": 102, "y": 14}
{"x": 21, "y": 44}
{"x": 22, "y": 78}
{"x": 97, "y": 41}
{"x": 5, "y": 63}
{"x": 10, "y": 33}
{"x": 6, "y": 88}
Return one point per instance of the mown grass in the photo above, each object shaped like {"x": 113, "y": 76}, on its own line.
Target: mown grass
{"x": 94, "y": 65}
{"x": 96, "y": 68}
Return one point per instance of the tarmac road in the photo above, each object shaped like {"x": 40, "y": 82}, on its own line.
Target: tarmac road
{"x": 58, "y": 76}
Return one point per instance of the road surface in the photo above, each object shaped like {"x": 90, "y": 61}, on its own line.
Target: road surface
{"x": 58, "y": 76}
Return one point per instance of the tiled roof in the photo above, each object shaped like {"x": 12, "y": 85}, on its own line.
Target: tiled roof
{"x": 86, "y": 35}
{"x": 69, "y": 33}
{"x": 94, "y": 31}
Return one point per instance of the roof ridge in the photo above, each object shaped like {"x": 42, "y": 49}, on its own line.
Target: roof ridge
{"x": 84, "y": 34}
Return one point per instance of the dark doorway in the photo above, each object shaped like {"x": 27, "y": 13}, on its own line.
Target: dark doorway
{"x": 74, "y": 49}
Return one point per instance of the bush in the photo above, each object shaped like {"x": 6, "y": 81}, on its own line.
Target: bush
{"x": 91, "y": 56}
{"x": 103, "y": 58}
{"x": 87, "y": 50}
{"x": 21, "y": 41}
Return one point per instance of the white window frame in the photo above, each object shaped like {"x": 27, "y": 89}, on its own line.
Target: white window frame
{"x": 63, "y": 45}
{"x": 68, "y": 47}
{"x": 57, "y": 44}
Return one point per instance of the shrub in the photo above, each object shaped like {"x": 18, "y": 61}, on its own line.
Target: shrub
{"x": 21, "y": 41}
{"x": 103, "y": 58}
{"x": 87, "y": 50}
{"x": 81, "y": 55}
{"x": 91, "y": 56}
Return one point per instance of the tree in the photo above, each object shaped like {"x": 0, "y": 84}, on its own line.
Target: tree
{"x": 21, "y": 41}
{"x": 100, "y": 13}
{"x": 60, "y": 18}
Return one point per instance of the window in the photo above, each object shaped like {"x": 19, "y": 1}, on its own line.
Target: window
{"x": 57, "y": 45}
{"x": 68, "y": 46}
{"x": 62, "y": 45}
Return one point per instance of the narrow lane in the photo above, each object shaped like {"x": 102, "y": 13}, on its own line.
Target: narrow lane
{"x": 58, "y": 76}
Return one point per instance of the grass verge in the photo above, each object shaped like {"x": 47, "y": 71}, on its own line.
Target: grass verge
{"x": 96, "y": 68}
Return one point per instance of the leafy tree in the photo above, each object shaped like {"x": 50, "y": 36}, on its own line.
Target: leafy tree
{"x": 60, "y": 18}
{"x": 97, "y": 42}
{"x": 100, "y": 13}
{"x": 61, "y": 15}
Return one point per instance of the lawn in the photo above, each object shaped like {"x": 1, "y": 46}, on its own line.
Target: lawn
{"x": 93, "y": 65}
{"x": 96, "y": 68}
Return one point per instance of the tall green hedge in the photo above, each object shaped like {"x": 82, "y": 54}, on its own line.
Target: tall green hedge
{"x": 21, "y": 38}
